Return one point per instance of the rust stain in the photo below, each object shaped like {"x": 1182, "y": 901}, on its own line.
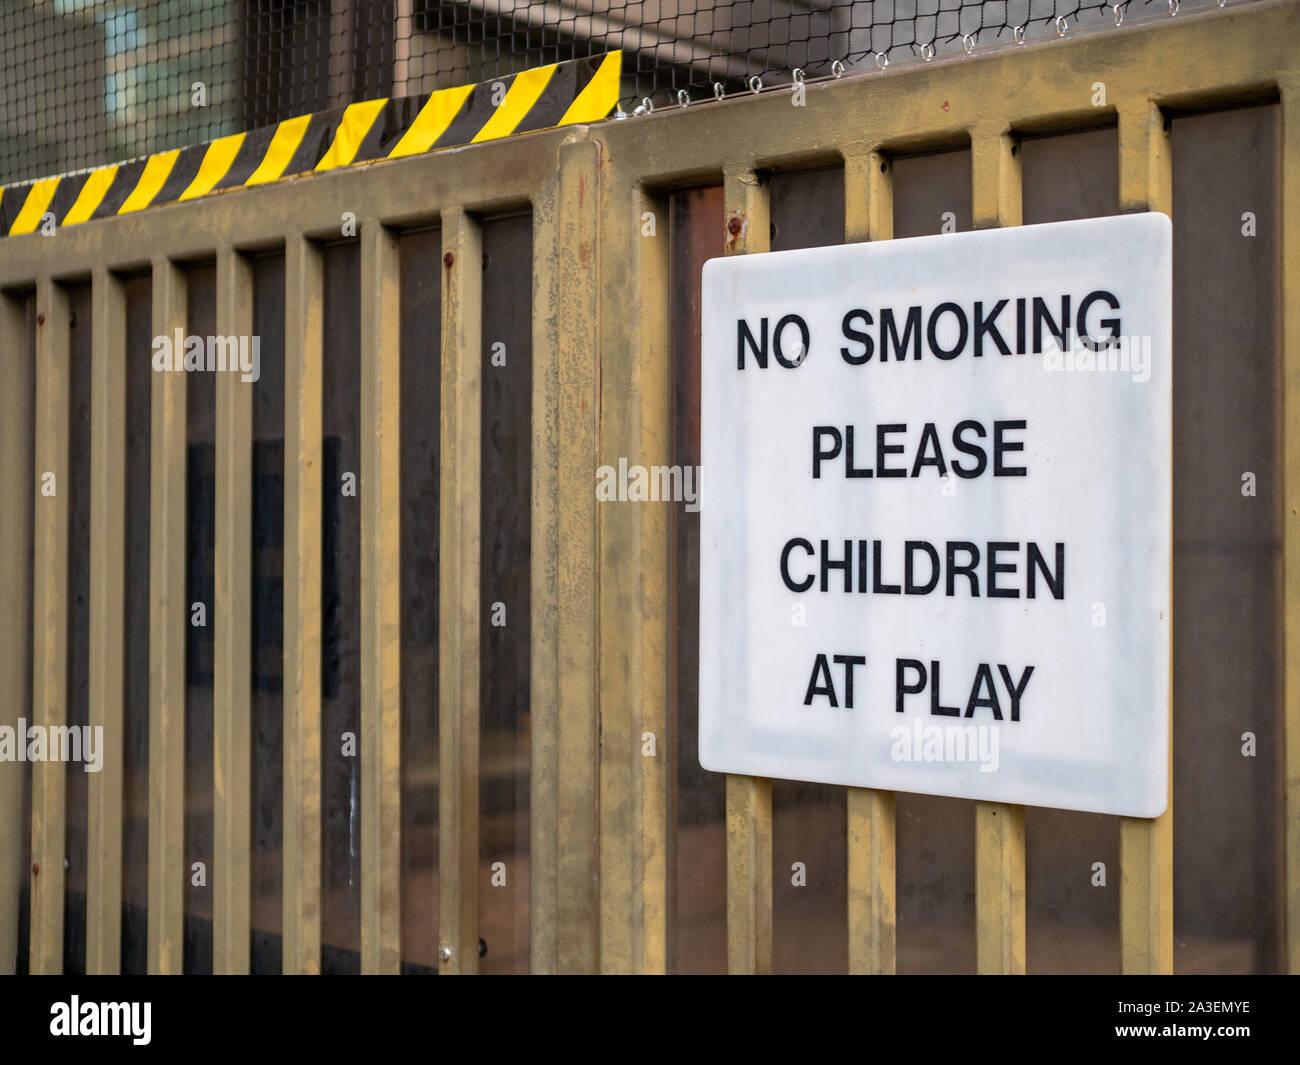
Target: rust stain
{"x": 737, "y": 225}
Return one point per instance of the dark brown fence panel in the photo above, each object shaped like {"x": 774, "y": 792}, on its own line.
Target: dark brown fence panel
{"x": 200, "y": 559}
{"x": 21, "y": 311}
{"x": 505, "y": 593}
{"x": 135, "y": 707}
{"x": 341, "y": 614}
{"x": 421, "y": 342}
{"x": 697, "y": 906}
{"x": 1227, "y": 542}
{"x": 267, "y": 577}
{"x": 78, "y": 652}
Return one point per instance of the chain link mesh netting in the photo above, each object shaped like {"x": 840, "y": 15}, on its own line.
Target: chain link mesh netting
{"x": 86, "y": 82}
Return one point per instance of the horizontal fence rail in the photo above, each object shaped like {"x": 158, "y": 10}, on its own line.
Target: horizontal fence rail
{"x": 599, "y": 801}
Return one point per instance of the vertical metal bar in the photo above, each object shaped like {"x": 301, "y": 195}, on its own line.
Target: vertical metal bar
{"x": 749, "y": 875}
{"x": 618, "y": 576}
{"x": 873, "y": 881}
{"x": 999, "y": 827}
{"x": 868, "y": 196}
{"x": 1146, "y": 847}
{"x": 232, "y": 679}
{"x": 633, "y": 582}
{"x": 460, "y": 623}
{"x": 107, "y": 620}
{"x": 50, "y": 621}
{"x": 1291, "y": 511}
{"x": 168, "y": 617}
{"x": 564, "y": 859}
{"x": 653, "y": 741}
{"x": 999, "y": 888}
{"x": 543, "y": 885}
{"x": 303, "y": 334}
{"x": 746, "y": 228}
{"x": 17, "y": 488}
{"x": 381, "y": 604}
{"x": 872, "y": 886}
{"x": 577, "y": 345}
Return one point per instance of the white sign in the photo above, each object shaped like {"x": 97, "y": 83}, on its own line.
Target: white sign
{"x": 935, "y": 526}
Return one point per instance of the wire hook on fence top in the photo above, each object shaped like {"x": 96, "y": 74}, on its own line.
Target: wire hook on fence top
{"x": 927, "y": 51}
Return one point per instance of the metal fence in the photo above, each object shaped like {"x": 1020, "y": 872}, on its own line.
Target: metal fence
{"x": 90, "y": 82}
{"x": 382, "y": 685}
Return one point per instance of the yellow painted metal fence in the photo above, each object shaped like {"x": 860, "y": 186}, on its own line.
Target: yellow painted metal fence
{"x": 591, "y": 768}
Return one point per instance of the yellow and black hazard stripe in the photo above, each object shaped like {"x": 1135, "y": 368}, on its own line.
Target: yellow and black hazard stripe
{"x": 581, "y": 90}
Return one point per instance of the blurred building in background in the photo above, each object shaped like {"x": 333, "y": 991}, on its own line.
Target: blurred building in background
{"x": 87, "y": 82}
